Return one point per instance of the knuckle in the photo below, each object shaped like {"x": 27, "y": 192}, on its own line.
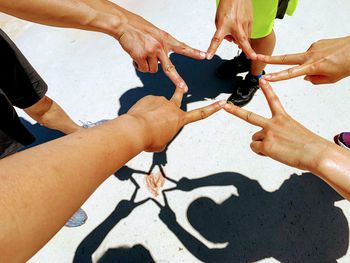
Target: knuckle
{"x": 166, "y": 35}
{"x": 142, "y": 57}
{"x": 314, "y": 67}
{"x": 169, "y": 68}
{"x": 269, "y": 133}
{"x": 283, "y": 58}
{"x": 304, "y": 56}
{"x": 216, "y": 39}
{"x": 249, "y": 116}
{"x": 274, "y": 99}
{"x": 266, "y": 146}
{"x": 158, "y": 46}
{"x": 203, "y": 114}
{"x": 290, "y": 72}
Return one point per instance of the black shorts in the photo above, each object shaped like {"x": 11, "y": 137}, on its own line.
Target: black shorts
{"x": 20, "y": 86}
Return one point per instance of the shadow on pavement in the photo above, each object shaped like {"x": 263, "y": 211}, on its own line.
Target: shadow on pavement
{"x": 296, "y": 223}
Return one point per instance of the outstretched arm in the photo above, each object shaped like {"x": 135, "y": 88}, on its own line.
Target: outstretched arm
{"x": 144, "y": 42}
{"x": 287, "y": 141}
{"x": 42, "y": 187}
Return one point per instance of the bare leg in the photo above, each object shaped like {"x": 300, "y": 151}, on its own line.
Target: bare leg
{"x": 263, "y": 46}
{"x": 49, "y": 114}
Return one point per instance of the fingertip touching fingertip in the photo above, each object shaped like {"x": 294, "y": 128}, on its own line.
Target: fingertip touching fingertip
{"x": 263, "y": 81}
{"x": 202, "y": 54}
{"x": 209, "y": 56}
{"x": 253, "y": 56}
{"x": 222, "y": 103}
{"x": 228, "y": 106}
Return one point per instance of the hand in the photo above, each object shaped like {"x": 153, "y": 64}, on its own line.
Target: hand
{"x": 282, "y": 138}
{"x": 326, "y": 61}
{"x": 161, "y": 119}
{"x": 147, "y": 44}
{"x": 234, "y": 19}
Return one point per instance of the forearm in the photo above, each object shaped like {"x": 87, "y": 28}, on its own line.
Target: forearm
{"x": 334, "y": 168}
{"x": 95, "y": 15}
{"x": 42, "y": 187}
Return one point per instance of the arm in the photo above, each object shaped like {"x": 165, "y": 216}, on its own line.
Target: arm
{"x": 326, "y": 61}
{"x": 144, "y": 42}
{"x": 42, "y": 187}
{"x": 100, "y": 15}
{"x": 300, "y": 148}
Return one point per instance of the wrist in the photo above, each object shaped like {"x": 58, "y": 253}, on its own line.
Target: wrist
{"x": 136, "y": 128}
{"x": 132, "y": 132}
{"x": 111, "y": 23}
{"x": 332, "y": 160}
{"x": 314, "y": 154}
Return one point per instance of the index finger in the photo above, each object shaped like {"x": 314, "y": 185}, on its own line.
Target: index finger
{"x": 289, "y": 59}
{"x": 203, "y": 113}
{"x": 170, "y": 71}
{"x": 183, "y": 49}
{"x": 177, "y": 96}
{"x": 243, "y": 42}
{"x": 245, "y": 115}
{"x": 305, "y": 69}
{"x": 215, "y": 43}
{"x": 271, "y": 97}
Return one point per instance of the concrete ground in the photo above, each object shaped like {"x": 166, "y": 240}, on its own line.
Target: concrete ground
{"x": 227, "y": 204}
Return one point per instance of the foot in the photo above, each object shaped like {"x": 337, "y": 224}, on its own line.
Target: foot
{"x": 245, "y": 91}
{"x": 230, "y": 68}
{"x": 343, "y": 140}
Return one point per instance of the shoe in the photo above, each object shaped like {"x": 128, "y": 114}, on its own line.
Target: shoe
{"x": 89, "y": 124}
{"x": 245, "y": 91}
{"x": 230, "y": 68}
{"x": 79, "y": 218}
{"x": 343, "y": 140}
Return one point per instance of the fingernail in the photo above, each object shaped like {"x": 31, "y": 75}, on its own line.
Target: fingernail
{"x": 202, "y": 54}
{"x": 209, "y": 56}
{"x": 267, "y": 77}
{"x": 222, "y": 103}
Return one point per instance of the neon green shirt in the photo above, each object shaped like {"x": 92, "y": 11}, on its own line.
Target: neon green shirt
{"x": 264, "y": 14}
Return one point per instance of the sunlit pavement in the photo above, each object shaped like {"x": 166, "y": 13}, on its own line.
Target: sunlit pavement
{"x": 235, "y": 206}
